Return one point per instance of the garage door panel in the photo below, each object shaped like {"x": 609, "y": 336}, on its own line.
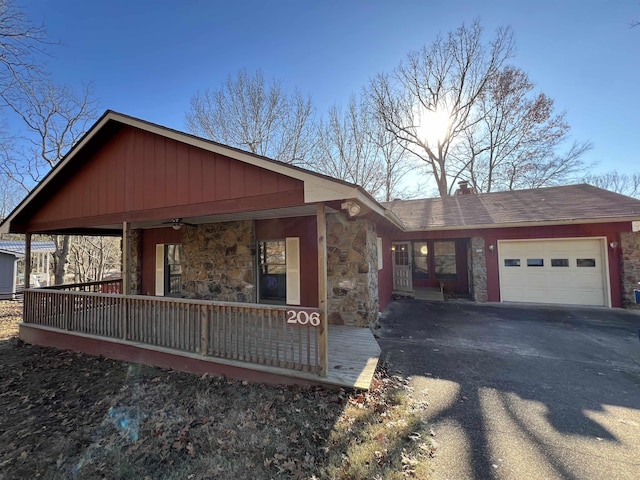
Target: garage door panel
{"x": 568, "y": 271}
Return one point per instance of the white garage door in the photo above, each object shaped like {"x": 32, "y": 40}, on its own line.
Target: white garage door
{"x": 567, "y": 271}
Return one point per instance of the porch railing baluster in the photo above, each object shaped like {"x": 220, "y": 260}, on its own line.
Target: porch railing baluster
{"x": 264, "y": 334}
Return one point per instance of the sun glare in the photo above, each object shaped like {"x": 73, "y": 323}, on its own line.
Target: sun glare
{"x": 432, "y": 125}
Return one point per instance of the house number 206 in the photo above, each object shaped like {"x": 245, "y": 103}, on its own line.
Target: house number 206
{"x": 301, "y": 317}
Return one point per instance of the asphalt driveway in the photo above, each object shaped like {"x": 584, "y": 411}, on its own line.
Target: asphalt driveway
{"x": 520, "y": 392}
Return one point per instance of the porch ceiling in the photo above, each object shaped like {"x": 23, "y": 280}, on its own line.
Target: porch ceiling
{"x": 164, "y": 222}
{"x": 299, "y": 211}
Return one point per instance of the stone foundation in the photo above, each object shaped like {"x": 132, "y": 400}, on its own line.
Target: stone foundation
{"x": 217, "y": 262}
{"x": 478, "y": 270}
{"x": 630, "y": 268}
{"x": 352, "y": 271}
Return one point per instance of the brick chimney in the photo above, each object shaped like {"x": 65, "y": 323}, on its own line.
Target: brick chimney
{"x": 464, "y": 189}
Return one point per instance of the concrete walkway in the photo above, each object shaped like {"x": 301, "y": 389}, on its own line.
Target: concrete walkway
{"x": 522, "y": 392}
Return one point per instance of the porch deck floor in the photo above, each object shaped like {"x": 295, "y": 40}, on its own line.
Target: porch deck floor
{"x": 353, "y": 355}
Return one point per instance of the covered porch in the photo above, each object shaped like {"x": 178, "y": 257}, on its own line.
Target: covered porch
{"x": 263, "y": 343}
{"x": 231, "y": 263}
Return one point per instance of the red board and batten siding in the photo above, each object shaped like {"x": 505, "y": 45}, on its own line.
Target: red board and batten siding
{"x": 151, "y": 238}
{"x": 305, "y": 229}
{"x": 609, "y": 230}
{"x": 491, "y": 236}
{"x": 385, "y": 275}
{"x": 138, "y": 175}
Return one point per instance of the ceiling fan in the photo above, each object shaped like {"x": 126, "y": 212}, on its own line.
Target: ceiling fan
{"x": 177, "y": 223}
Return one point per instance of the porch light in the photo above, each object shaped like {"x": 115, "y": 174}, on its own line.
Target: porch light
{"x": 613, "y": 245}
{"x": 491, "y": 248}
{"x": 352, "y": 208}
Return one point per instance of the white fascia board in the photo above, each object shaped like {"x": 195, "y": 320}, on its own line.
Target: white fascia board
{"x": 13, "y": 254}
{"x": 317, "y": 190}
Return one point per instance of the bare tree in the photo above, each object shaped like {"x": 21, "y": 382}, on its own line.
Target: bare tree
{"x": 392, "y": 156}
{"x": 21, "y": 45}
{"x": 21, "y": 42}
{"x": 92, "y": 258}
{"x": 623, "y": 183}
{"x": 345, "y": 150}
{"x": 247, "y": 113}
{"x": 9, "y": 195}
{"x": 429, "y": 101}
{"x": 53, "y": 118}
{"x": 516, "y": 141}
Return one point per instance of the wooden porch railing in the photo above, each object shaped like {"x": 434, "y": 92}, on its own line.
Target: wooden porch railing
{"x": 103, "y": 286}
{"x": 276, "y": 336}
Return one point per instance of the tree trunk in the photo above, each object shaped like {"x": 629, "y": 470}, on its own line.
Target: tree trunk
{"x": 60, "y": 258}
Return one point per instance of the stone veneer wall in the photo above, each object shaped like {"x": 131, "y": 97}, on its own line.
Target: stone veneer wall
{"x": 479, "y": 269}
{"x": 630, "y": 271}
{"x": 135, "y": 261}
{"x": 217, "y": 262}
{"x": 352, "y": 271}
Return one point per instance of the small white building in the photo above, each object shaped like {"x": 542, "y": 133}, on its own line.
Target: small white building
{"x": 12, "y": 266}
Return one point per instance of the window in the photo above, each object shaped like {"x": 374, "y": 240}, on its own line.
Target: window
{"x": 400, "y": 254}
{"x": 272, "y": 265}
{"x": 169, "y": 270}
{"x": 559, "y": 262}
{"x": 173, "y": 270}
{"x": 420, "y": 260}
{"x": 444, "y": 259}
{"x": 535, "y": 262}
{"x": 279, "y": 271}
{"x": 585, "y": 262}
{"x": 511, "y": 262}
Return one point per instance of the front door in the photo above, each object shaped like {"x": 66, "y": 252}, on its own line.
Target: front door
{"x": 402, "y": 266}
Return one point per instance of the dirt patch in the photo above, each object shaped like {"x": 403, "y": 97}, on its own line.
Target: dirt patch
{"x": 10, "y": 315}
{"x": 70, "y": 415}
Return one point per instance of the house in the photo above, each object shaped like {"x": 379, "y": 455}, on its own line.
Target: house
{"x": 12, "y": 266}
{"x": 238, "y": 264}
{"x": 559, "y": 245}
{"x": 229, "y": 258}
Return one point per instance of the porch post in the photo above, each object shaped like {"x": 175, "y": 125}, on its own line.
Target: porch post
{"x": 126, "y": 240}
{"x": 321, "y": 223}
{"x": 27, "y": 260}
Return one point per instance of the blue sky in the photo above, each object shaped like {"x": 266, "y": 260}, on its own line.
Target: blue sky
{"x": 148, "y": 58}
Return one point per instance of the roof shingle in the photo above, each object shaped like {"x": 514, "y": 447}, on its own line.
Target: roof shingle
{"x": 566, "y": 204}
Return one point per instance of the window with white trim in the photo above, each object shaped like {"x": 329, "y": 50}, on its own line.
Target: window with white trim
{"x": 279, "y": 271}
{"x": 169, "y": 270}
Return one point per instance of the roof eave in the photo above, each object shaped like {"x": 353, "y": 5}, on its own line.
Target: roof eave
{"x": 317, "y": 187}
{"x": 572, "y": 221}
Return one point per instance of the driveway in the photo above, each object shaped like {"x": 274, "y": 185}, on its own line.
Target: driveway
{"x": 522, "y": 392}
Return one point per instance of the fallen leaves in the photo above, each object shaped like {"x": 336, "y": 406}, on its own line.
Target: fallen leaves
{"x": 72, "y": 415}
